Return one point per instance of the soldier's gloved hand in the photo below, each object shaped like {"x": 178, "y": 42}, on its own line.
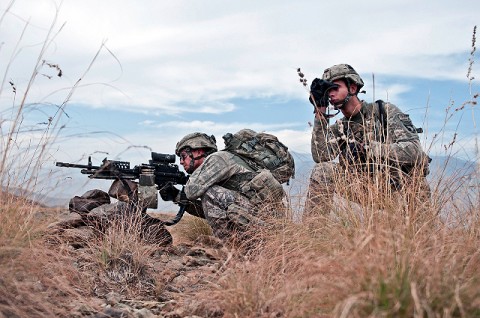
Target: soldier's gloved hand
{"x": 182, "y": 198}
{"x": 356, "y": 152}
{"x": 319, "y": 92}
{"x": 169, "y": 192}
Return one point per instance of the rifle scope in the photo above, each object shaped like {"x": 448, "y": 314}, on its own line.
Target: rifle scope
{"x": 163, "y": 157}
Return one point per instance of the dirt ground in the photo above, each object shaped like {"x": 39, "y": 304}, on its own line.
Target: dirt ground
{"x": 169, "y": 281}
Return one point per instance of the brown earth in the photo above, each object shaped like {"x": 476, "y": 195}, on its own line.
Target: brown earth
{"x": 72, "y": 281}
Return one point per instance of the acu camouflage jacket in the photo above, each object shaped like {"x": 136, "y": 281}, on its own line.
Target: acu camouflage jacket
{"x": 217, "y": 168}
{"x": 231, "y": 172}
{"x": 397, "y": 143}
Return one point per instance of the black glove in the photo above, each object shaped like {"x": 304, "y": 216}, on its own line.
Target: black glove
{"x": 356, "y": 153}
{"x": 168, "y": 192}
{"x": 183, "y": 198}
{"x": 319, "y": 92}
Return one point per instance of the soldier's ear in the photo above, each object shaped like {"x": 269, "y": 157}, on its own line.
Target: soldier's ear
{"x": 352, "y": 88}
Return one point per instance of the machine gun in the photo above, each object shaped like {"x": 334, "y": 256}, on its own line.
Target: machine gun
{"x": 159, "y": 172}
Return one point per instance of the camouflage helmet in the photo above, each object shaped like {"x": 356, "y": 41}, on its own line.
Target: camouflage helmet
{"x": 345, "y": 71}
{"x": 197, "y": 140}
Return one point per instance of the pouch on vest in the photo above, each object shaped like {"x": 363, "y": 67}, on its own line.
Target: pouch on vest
{"x": 263, "y": 188}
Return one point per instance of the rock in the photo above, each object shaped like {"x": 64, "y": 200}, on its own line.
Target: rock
{"x": 67, "y": 221}
{"x": 112, "y": 313}
{"x": 78, "y": 237}
{"x": 113, "y": 298}
{"x": 88, "y": 201}
{"x": 154, "y": 232}
{"x": 209, "y": 240}
{"x": 143, "y": 313}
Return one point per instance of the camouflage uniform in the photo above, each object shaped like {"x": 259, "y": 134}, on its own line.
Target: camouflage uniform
{"x": 364, "y": 148}
{"x": 230, "y": 195}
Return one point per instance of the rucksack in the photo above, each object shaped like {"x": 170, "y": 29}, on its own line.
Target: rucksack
{"x": 262, "y": 151}
{"x": 383, "y": 121}
{"x": 88, "y": 201}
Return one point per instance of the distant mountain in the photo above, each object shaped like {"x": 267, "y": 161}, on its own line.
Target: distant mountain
{"x": 41, "y": 199}
{"x": 450, "y": 166}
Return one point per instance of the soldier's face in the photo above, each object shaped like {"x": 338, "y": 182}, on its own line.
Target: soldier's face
{"x": 191, "y": 162}
{"x": 339, "y": 93}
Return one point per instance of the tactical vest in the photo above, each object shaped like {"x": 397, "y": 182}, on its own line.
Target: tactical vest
{"x": 373, "y": 120}
{"x": 258, "y": 186}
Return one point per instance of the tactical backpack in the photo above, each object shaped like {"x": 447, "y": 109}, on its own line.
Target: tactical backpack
{"x": 383, "y": 121}
{"x": 262, "y": 151}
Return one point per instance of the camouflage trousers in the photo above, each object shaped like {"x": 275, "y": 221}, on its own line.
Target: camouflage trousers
{"x": 228, "y": 211}
{"x": 329, "y": 178}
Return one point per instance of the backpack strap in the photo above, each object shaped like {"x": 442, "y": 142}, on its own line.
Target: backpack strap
{"x": 383, "y": 118}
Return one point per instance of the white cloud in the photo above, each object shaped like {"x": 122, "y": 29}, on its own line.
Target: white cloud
{"x": 209, "y": 53}
{"x": 193, "y": 58}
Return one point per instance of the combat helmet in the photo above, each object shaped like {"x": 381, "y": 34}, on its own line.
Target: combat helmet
{"x": 345, "y": 71}
{"x": 197, "y": 140}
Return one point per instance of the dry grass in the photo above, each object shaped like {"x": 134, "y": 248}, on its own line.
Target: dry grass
{"x": 16, "y": 219}
{"x": 190, "y": 228}
{"x": 366, "y": 262}
{"x": 36, "y": 281}
{"x": 375, "y": 252}
{"x": 119, "y": 261}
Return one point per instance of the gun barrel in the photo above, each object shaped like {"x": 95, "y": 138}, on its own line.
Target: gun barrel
{"x": 96, "y": 174}
{"x": 73, "y": 165}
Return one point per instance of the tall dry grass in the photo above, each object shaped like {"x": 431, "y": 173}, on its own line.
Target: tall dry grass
{"x": 378, "y": 253}
{"x": 399, "y": 261}
{"x": 118, "y": 260}
{"x": 36, "y": 280}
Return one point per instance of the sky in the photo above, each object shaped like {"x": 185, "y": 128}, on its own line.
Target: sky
{"x": 136, "y": 76}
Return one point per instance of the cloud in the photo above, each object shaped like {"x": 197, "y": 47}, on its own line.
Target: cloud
{"x": 166, "y": 55}
{"x": 193, "y": 60}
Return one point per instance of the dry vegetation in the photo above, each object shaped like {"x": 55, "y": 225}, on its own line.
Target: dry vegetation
{"x": 402, "y": 260}
{"x": 399, "y": 261}
{"x": 396, "y": 258}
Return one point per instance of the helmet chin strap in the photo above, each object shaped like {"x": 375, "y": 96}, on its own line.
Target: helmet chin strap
{"x": 191, "y": 166}
{"x": 344, "y": 102}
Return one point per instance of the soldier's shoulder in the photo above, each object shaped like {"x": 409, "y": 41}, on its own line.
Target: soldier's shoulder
{"x": 389, "y": 108}
{"x": 392, "y": 107}
{"x": 221, "y": 155}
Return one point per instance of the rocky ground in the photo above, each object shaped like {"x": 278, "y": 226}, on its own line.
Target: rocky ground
{"x": 168, "y": 283}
